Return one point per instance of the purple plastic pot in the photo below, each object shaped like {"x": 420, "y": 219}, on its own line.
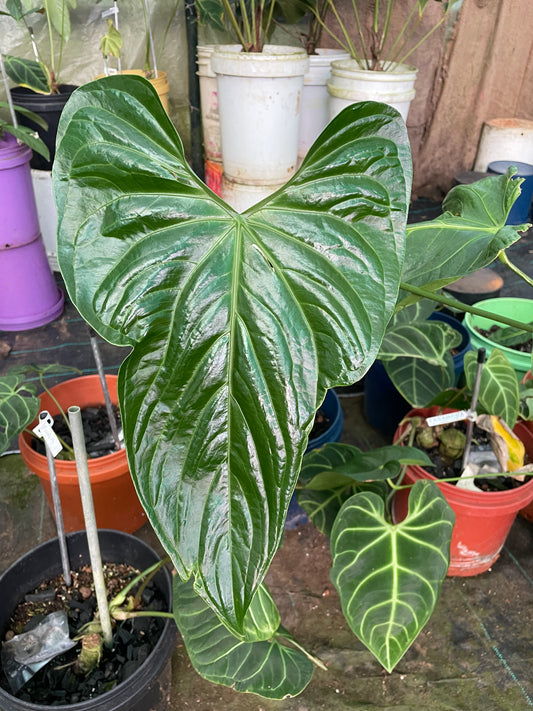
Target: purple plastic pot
{"x": 29, "y": 296}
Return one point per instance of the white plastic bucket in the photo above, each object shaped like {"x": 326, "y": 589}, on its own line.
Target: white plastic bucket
{"x": 505, "y": 139}
{"x": 209, "y": 103}
{"x": 315, "y": 98}
{"x": 349, "y": 84}
{"x": 259, "y": 100}
{"x": 240, "y": 196}
{"x": 46, "y": 213}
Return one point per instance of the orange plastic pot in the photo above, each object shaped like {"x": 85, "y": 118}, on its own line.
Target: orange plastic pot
{"x": 482, "y": 519}
{"x": 116, "y": 502}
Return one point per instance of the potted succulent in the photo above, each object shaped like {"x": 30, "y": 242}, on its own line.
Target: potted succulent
{"x": 39, "y": 86}
{"x": 240, "y": 323}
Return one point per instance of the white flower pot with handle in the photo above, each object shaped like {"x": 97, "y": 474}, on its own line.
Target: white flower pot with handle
{"x": 259, "y": 101}
{"x": 315, "y": 98}
{"x": 350, "y": 84}
{"x": 209, "y": 103}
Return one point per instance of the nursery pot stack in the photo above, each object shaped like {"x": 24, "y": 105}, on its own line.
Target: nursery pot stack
{"x": 29, "y": 297}
{"x": 259, "y": 99}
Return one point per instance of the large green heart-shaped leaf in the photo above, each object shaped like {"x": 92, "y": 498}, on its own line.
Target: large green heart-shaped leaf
{"x": 28, "y": 73}
{"x": 389, "y": 576}
{"x": 19, "y": 406}
{"x": 467, "y": 236}
{"x": 498, "y": 388}
{"x": 239, "y": 323}
{"x": 268, "y": 668}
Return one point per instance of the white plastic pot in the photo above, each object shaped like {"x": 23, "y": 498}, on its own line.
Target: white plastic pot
{"x": 209, "y": 103}
{"x": 349, "y": 84}
{"x": 505, "y": 139}
{"x": 259, "y": 100}
{"x": 46, "y": 213}
{"x": 315, "y": 98}
{"x": 240, "y": 196}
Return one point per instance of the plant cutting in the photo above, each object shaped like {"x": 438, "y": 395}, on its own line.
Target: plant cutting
{"x": 39, "y": 86}
{"x": 239, "y": 323}
{"x": 22, "y": 133}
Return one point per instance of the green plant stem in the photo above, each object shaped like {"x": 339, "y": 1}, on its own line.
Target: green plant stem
{"x": 460, "y": 306}
{"x": 505, "y": 260}
{"x": 228, "y": 10}
{"x": 394, "y": 486}
{"x": 120, "y": 614}
{"x": 286, "y": 635}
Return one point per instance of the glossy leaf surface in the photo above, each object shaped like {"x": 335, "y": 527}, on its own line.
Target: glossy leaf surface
{"x": 239, "y": 323}
{"x": 267, "y": 668}
{"x": 430, "y": 341}
{"x": 389, "y": 576}
{"x": 467, "y": 236}
{"x": 498, "y": 390}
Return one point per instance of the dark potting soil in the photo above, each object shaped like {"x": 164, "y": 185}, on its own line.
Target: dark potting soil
{"x": 57, "y": 683}
{"x": 524, "y": 347}
{"x": 480, "y": 440}
{"x": 96, "y": 429}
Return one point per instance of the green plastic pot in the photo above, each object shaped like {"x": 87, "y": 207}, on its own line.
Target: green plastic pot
{"x": 518, "y": 309}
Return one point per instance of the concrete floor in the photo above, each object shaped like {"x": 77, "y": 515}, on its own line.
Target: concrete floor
{"x": 475, "y": 652}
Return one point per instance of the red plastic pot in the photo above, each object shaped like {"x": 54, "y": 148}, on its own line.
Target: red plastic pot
{"x": 116, "y": 503}
{"x": 482, "y": 519}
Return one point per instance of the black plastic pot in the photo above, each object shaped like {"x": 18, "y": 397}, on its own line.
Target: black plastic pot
{"x": 49, "y": 107}
{"x": 144, "y": 690}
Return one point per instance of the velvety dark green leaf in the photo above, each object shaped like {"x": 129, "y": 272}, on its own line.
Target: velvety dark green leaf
{"x": 509, "y": 336}
{"x": 19, "y": 406}
{"x": 430, "y": 341}
{"x": 418, "y": 381}
{"x": 28, "y": 73}
{"x": 467, "y": 236}
{"x": 338, "y": 464}
{"x": 389, "y": 576}
{"x": 239, "y": 323}
{"x": 498, "y": 390}
{"x": 322, "y": 507}
{"x": 267, "y": 668}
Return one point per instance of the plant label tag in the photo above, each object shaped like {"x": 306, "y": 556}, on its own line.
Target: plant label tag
{"x": 45, "y": 430}
{"x": 451, "y": 417}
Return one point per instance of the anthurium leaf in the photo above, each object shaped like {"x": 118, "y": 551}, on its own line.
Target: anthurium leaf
{"x": 498, "y": 389}
{"x": 510, "y": 336}
{"x": 418, "y": 381}
{"x": 59, "y": 14}
{"x": 322, "y": 507}
{"x": 239, "y": 323}
{"x": 525, "y": 391}
{"x": 19, "y": 406}
{"x": 389, "y": 576}
{"x": 339, "y": 464}
{"x": 28, "y": 73}
{"x": 267, "y": 668}
{"x": 467, "y": 236}
{"x": 430, "y": 341}
{"x": 262, "y": 619}
{"x": 27, "y": 136}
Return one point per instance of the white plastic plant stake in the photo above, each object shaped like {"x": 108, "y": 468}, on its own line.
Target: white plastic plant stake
{"x": 80, "y": 453}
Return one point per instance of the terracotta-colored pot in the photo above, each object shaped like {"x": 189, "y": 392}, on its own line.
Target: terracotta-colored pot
{"x": 115, "y": 500}
{"x": 482, "y": 519}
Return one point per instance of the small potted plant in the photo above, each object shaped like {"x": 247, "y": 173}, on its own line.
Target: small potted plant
{"x": 240, "y": 323}
{"x": 39, "y": 85}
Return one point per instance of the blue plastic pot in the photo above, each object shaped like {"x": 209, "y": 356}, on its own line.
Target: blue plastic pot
{"x": 521, "y": 209}
{"x": 384, "y": 406}
{"x": 331, "y": 407}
